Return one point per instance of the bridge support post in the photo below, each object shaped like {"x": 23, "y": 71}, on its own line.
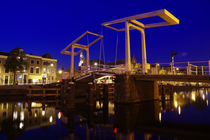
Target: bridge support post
{"x": 105, "y": 103}
{"x": 127, "y": 47}
{"x": 130, "y": 116}
{"x": 135, "y": 90}
{"x": 91, "y": 94}
{"x": 143, "y": 45}
{"x": 71, "y": 95}
{"x": 144, "y": 55}
{"x": 88, "y": 58}
{"x": 72, "y": 63}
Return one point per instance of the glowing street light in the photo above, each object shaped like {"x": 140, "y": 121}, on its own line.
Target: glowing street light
{"x": 95, "y": 64}
{"x": 51, "y": 64}
{"x": 179, "y": 110}
{"x": 60, "y": 71}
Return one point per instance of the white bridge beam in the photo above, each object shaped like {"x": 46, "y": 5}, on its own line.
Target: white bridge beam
{"x": 133, "y": 22}
{"x": 74, "y": 45}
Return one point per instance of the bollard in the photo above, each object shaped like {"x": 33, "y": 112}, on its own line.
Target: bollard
{"x": 105, "y": 103}
{"x": 72, "y": 95}
{"x": 91, "y": 100}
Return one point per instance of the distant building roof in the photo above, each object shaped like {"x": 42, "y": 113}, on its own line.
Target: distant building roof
{"x": 118, "y": 62}
{"x": 47, "y": 55}
{"x": 17, "y": 50}
{"x": 4, "y": 53}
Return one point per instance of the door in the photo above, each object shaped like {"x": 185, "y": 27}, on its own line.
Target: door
{"x": 6, "y": 80}
{"x": 44, "y": 80}
{"x": 24, "y": 79}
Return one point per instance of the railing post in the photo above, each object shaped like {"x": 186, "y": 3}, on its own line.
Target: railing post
{"x": 156, "y": 68}
{"x": 189, "y": 69}
{"x": 196, "y": 70}
{"x": 209, "y": 67}
{"x": 202, "y": 70}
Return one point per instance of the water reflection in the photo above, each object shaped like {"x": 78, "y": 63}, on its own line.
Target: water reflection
{"x": 16, "y": 117}
{"x": 177, "y": 115}
{"x": 197, "y": 98}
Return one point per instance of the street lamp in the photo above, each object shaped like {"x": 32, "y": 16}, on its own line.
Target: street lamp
{"x": 172, "y": 63}
{"x": 95, "y": 64}
{"x": 60, "y": 71}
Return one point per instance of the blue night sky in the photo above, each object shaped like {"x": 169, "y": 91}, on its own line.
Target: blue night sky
{"x": 47, "y": 26}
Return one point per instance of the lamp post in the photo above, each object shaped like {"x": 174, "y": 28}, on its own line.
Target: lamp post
{"x": 172, "y": 63}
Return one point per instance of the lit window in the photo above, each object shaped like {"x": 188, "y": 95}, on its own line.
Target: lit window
{"x": 43, "y": 112}
{"x": 50, "y": 119}
{"x": 21, "y": 125}
{"x": 15, "y": 115}
{"x": 44, "y": 70}
{"x": 32, "y": 61}
{"x": 22, "y": 115}
{"x": 37, "y": 70}
{"x": 51, "y": 64}
{"x": 32, "y": 70}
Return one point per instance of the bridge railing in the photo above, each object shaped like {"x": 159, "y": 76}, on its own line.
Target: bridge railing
{"x": 181, "y": 68}
{"x": 178, "y": 68}
{"x": 119, "y": 69}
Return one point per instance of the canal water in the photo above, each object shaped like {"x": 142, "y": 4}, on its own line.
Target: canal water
{"x": 179, "y": 115}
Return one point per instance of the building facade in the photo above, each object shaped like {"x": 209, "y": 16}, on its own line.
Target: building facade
{"x": 40, "y": 70}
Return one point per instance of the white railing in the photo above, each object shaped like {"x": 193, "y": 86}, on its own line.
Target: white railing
{"x": 183, "y": 68}
{"x": 178, "y": 68}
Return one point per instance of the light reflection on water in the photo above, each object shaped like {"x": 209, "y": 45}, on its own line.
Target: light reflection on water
{"x": 187, "y": 106}
{"x": 105, "y": 120}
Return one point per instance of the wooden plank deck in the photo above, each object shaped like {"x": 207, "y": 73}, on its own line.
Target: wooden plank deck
{"x": 43, "y": 92}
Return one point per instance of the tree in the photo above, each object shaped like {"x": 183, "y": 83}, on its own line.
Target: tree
{"x": 16, "y": 62}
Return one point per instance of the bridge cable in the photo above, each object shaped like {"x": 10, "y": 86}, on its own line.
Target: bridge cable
{"x": 116, "y": 48}
{"x": 88, "y": 48}
{"x": 99, "y": 60}
{"x": 102, "y": 47}
{"x": 103, "y": 50}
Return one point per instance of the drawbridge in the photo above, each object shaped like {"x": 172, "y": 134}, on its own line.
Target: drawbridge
{"x": 173, "y": 71}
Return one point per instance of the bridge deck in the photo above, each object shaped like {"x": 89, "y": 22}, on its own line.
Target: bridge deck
{"x": 178, "y": 78}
